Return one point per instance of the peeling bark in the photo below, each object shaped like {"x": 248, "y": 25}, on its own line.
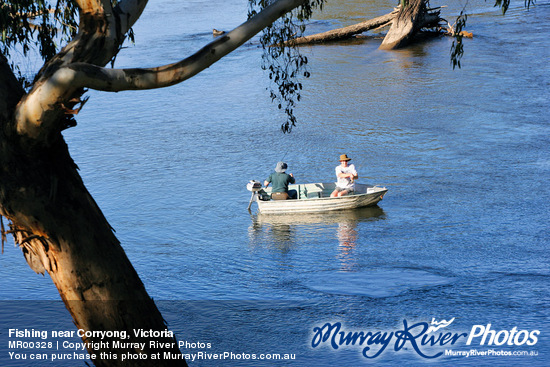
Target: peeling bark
{"x": 62, "y": 231}
{"x": 407, "y": 23}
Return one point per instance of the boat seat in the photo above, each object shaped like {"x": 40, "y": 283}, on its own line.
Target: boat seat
{"x": 279, "y": 196}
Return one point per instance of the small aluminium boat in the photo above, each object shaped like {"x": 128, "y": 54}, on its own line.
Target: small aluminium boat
{"x": 314, "y": 197}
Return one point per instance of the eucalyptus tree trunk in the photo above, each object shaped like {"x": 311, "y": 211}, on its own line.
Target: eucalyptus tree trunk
{"x": 52, "y": 216}
{"x": 413, "y": 15}
{"x": 62, "y": 231}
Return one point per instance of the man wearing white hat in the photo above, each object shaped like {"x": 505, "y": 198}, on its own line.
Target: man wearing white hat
{"x": 346, "y": 176}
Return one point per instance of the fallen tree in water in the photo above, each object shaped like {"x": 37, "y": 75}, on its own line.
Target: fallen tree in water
{"x": 347, "y": 32}
{"x": 405, "y": 21}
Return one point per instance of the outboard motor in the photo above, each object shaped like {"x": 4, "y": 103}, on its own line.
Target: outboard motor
{"x": 254, "y": 186}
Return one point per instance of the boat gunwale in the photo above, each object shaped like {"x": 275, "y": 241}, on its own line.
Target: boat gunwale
{"x": 321, "y": 204}
{"x": 350, "y": 196}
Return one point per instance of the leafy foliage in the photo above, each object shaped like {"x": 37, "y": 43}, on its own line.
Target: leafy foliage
{"x": 284, "y": 62}
{"x": 457, "y": 48}
{"x": 37, "y": 25}
{"x": 504, "y": 4}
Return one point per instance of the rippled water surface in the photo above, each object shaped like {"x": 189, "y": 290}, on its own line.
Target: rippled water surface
{"x": 462, "y": 233}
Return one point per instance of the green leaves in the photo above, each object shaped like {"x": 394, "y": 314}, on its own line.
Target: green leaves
{"x": 32, "y": 24}
{"x": 457, "y": 49}
{"x": 28, "y": 25}
{"x": 504, "y": 4}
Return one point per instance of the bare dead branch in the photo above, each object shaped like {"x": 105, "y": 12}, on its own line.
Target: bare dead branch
{"x": 346, "y": 32}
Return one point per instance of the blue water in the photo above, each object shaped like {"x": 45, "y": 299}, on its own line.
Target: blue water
{"x": 463, "y": 232}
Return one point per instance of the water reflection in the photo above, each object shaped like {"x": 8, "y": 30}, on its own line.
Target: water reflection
{"x": 347, "y": 240}
{"x": 410, "y": 58}
{"x": 284, "y": 231}
{"x": 277, "y": 235}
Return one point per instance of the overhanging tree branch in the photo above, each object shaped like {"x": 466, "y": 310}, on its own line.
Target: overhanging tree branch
{"x": 37, "y": 114}
{"x": 115, "y": 80}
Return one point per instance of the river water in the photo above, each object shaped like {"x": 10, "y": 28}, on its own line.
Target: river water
{"x": 462, "y": 233}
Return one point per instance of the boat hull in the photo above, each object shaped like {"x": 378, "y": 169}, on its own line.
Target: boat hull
{"x": 314, "y": 198}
